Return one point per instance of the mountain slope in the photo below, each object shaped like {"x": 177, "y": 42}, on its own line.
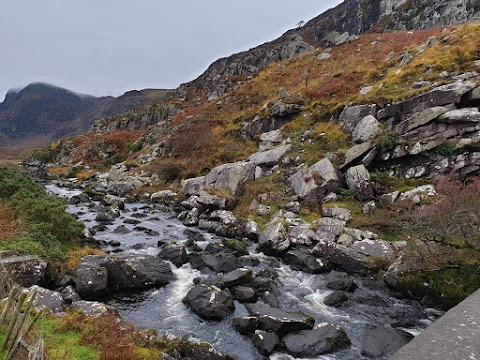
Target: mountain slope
{"x": 335, "y": 26}
{"x": 48, "y": 112}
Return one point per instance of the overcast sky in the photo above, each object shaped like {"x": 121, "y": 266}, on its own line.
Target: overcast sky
{"x": 107, "y": 47}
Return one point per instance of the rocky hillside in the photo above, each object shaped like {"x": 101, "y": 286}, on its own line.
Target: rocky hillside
{"x": 334, "y": 27}
{"x": 46, "y": 112}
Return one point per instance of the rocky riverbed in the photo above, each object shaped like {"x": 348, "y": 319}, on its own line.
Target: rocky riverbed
{"x": 160, "y": 274}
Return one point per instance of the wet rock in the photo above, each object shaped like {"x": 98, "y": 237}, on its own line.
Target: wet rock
{"x": 380, "y": 340}
{"x": 26, "y": 270}
{"x": 265, "y": 342}
{"x": 107, "y": 216}
{"x": 245, "y": 325}
{"x": 209, "y": 302}
{"x": 220, "y": 262}
{"x": 131, "y": 221}
{"x": 303, "y": 260}
{"x": 367, "y": 129}
{"x": 122, "y": 229}
{"x": 47, "y": 299}
{"x": 231, "y": 177}
{"x": 344, "y": 257}
{"x": 244, "y": 294}
{"x": 341, "y": 281}
{"x": 193, "y": 235}
{"x": 279, "y": 321}
{"x": 114, "y": 243}
{"x": 231, "y": 279}
{"x": 271, "y": 298}
{"x": 174, "y": 253}
{"x": 238, "y": 246}
{"x": 112, "y": 200}
{"x": 324, "y": 339}
{"x": 79, "y": 199}
{"x": 370, "y": 299}
{"x": 191, "y": 217}
{"x": 336, "y": 298}
{"x": 269, "y": 157}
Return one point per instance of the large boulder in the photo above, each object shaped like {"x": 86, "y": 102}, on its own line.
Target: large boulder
{"x": 278, "y": 320}
{"x": 219, "y": 262}
{"x": 280, "y": 109}
{"x": 321, "y": 175}
{"x": 295, "y": 47}
{"x": 91, "y": 280}
{"x": 420, "y": 119}
{"x": 193, "y": 186}
{"x": 367, "y": 129}
{"x": 379, "y": 340}
{"x": 24, "y": 270}
{"x": 175, "y": 253}
{"x": 352, "y": 115}
{"x": 439, "y": 96}
{"x": 93, "y": 308}
{"x": 274, "y": 240}
{"x": 231, "y": 279}
{"x": 231, "y": 177}
{"x": 358, "y": 179}
{"x": 270, "y": 157}
{"x": 47, "y": 299}
{"x": 324, "y": 339}
{"x": 303, "y": 260}
{"x": 359, "y": 153}
{"x": 461, "y": 116}
{"x": 210, "y": 302}
{"x": 265, "y": 342}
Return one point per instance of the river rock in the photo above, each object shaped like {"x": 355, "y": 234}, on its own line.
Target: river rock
{"x": 244, "y": 294}
{"x": 231, "y": 177}
{"x": 245, "y": 325}
{"x": 233, "y": 278}
{"x": 341, "y": 281}
{"x": 303, "y": 260}
{"x": 252, "y": 230}
{"x": 211, "y": 202}
{"x": 69, "y": 295}
{"x": 380, "y": 340}
{"x": 265, "y": 342}
{"x": 79, "y": 199}
{"x": 344, "y": 257}
{"x": 336, "y": 298}
{"x": 112, "y": 200}
{"x": 26, "y": 270}
{"x": 47, "y": 299}
{"x": 269, "y": 157}
{"x": 107, "y": 216}
{"x": 301, "y": 234}
{"x": 326, "y": 338}
{"x": 210, "y": 302}
{"x": 367, "y": 129}
{"x": 134, "y": 271}
{"x": 91, "y": 280}
{"x": 175, "y": 253}
{"x": 279, "y": 321}
{"x": 219, "y": 262}
{"x": 122, "y": 229}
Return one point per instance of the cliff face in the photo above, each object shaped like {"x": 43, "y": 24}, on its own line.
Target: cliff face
{"x": 333, "y": 27}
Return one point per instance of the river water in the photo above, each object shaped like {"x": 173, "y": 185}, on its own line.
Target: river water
{"x": 162, "y": 309}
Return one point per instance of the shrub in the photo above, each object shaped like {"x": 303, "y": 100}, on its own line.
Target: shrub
{"x": 388, "y": 139}
{"x": 167, "y": 169}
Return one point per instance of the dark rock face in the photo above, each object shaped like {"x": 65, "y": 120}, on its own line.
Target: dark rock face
{"x": 324, "y": 339}
{"x": 98, "y": 275}
{"x": 265, "y": 342}
{"x": 379, "y": 340}
{"x": 341, "y": 281}
{"x": 303, "y": 260}
{"x": 245, "y": 325}
{"x": 220, "y": 262}
{"x": 231, "y": 279}
{"x": 244, "y": 294}
{"x": 25, "y": 270}
{"x": 336, "y": 298}
{"x": 209, "y": 302}
{"x": 277, "y": 320}
{"x": 174, "y": 253}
